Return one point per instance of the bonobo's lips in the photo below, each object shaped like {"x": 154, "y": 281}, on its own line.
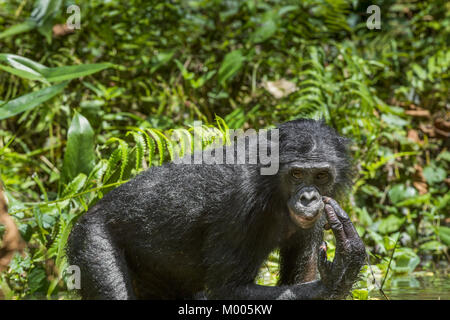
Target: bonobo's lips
{"x": 305, "y": 221}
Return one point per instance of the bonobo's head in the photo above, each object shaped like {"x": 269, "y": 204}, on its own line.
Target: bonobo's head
{"x": 314, "y": 162}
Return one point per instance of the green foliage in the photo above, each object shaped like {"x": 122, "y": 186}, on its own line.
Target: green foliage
{"x": 83, "y": 113}
{"x": 79, "y": 155}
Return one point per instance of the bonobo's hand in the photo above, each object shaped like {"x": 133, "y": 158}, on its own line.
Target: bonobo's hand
{"x": 338, "y": 276}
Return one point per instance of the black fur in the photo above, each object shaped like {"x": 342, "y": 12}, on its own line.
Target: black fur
{"x": 180, "y": 229}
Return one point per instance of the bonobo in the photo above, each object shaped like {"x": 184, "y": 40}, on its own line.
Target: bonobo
{"x": 185, "y": 231}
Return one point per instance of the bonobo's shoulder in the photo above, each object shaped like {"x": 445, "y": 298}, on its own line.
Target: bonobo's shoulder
{"x": 170, "y": 169}
{"x": 186, "y": 175}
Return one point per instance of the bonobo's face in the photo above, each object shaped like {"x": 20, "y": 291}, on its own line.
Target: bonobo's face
{"x": 306, "y": 184}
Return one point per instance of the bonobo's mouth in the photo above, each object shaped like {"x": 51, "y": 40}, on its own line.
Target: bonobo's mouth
{"x": 306, "y": 219}
{"x": 303, "y": 222}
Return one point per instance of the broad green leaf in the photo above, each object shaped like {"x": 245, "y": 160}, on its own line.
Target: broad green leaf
{"x": 43, "y": 13}
{"x": 364, "y": 217}
{"x": 22, "y": 67}
{"x": 400, "y": 192}
{"x": 79, "y": 156}
{"x": 231, "y": 64}
{"x": 406, "y": 260}
{"x": 390, "y": 224}
{"x": 18, "y": 28}
{"x": 44, "y": 9}
{"x": 434, "y": 174}
{"x": 41, "y": 17}
{"x": 416, "y": 200}
{"x": 444, "y": 234}
{"x": 419, "y": 71}
{"x": 72, "y": 72}
{"x": 266, "y": 28}
{"x": 29, "y": 69}
{"x": 393, "y": 120}
{"x": 432, "y": 246}
{"x": 445, "y": 155}
{"x": 30, "y": 100}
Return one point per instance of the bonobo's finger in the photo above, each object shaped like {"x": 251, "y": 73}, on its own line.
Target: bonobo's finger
{"x": 322, "y": 262}
{"x": 349, "y": 229}
{"x": 335, "y": 224}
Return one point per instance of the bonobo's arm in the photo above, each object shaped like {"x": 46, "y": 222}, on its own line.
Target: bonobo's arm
{"x": 298, "y": 255}
{"x": 336, "y": 278}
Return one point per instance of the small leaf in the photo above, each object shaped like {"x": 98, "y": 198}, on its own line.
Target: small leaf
{"x": 140, "y": 147}
{"x": 231, "y": 64}
{"x": 161, "y": 59}
{"x": 159, "y": 142}
{"x": 123, "y": 151}
{"x": 360, "y": 294}
{"x": 75, "y": 185}
{"x": 266, "y": 28}
{"x": 444, "y": 235}
{"x": 37, "y": 280}
{"x": 434, "y": 174}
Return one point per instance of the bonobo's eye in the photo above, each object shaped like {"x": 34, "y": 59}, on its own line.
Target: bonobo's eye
{"x": 297, "y": 173}
{"x": 322, "y": 177}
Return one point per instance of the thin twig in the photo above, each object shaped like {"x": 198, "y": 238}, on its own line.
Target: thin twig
{"x": 389, "y": 265}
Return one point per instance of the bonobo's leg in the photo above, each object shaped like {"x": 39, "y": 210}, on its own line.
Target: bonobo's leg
{"x": 104, "y": 274}
{"x": 336, "y": 278}
{"x": 298, "y": 256}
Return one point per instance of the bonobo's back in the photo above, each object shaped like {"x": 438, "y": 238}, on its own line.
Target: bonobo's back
{"x": 157, "y": 219}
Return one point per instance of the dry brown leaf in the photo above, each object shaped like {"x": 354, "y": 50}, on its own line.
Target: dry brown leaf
{"x": 421, "y": 187}
{"x": 12, "y": 240}
{"x": 442, "y": 124}
{"x": 447, "y": 181}
{"x": 442, "y": 128}
{"x": 419, "y": 180}
{"x": 280, "y": 88}
{"x": 427, "y": 129}
{"x": 418, "y": 113}
{"x": 60, "y": 30}
{"x": 414, "y": 136}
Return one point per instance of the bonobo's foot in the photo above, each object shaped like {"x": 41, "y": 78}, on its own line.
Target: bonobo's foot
{"x": 338, "y": 276}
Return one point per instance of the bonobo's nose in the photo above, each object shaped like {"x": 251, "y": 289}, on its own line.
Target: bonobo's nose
{"x": 308, "y": 197}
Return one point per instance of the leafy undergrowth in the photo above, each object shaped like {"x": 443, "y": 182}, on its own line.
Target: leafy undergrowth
{"x": 83, "y": 111}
